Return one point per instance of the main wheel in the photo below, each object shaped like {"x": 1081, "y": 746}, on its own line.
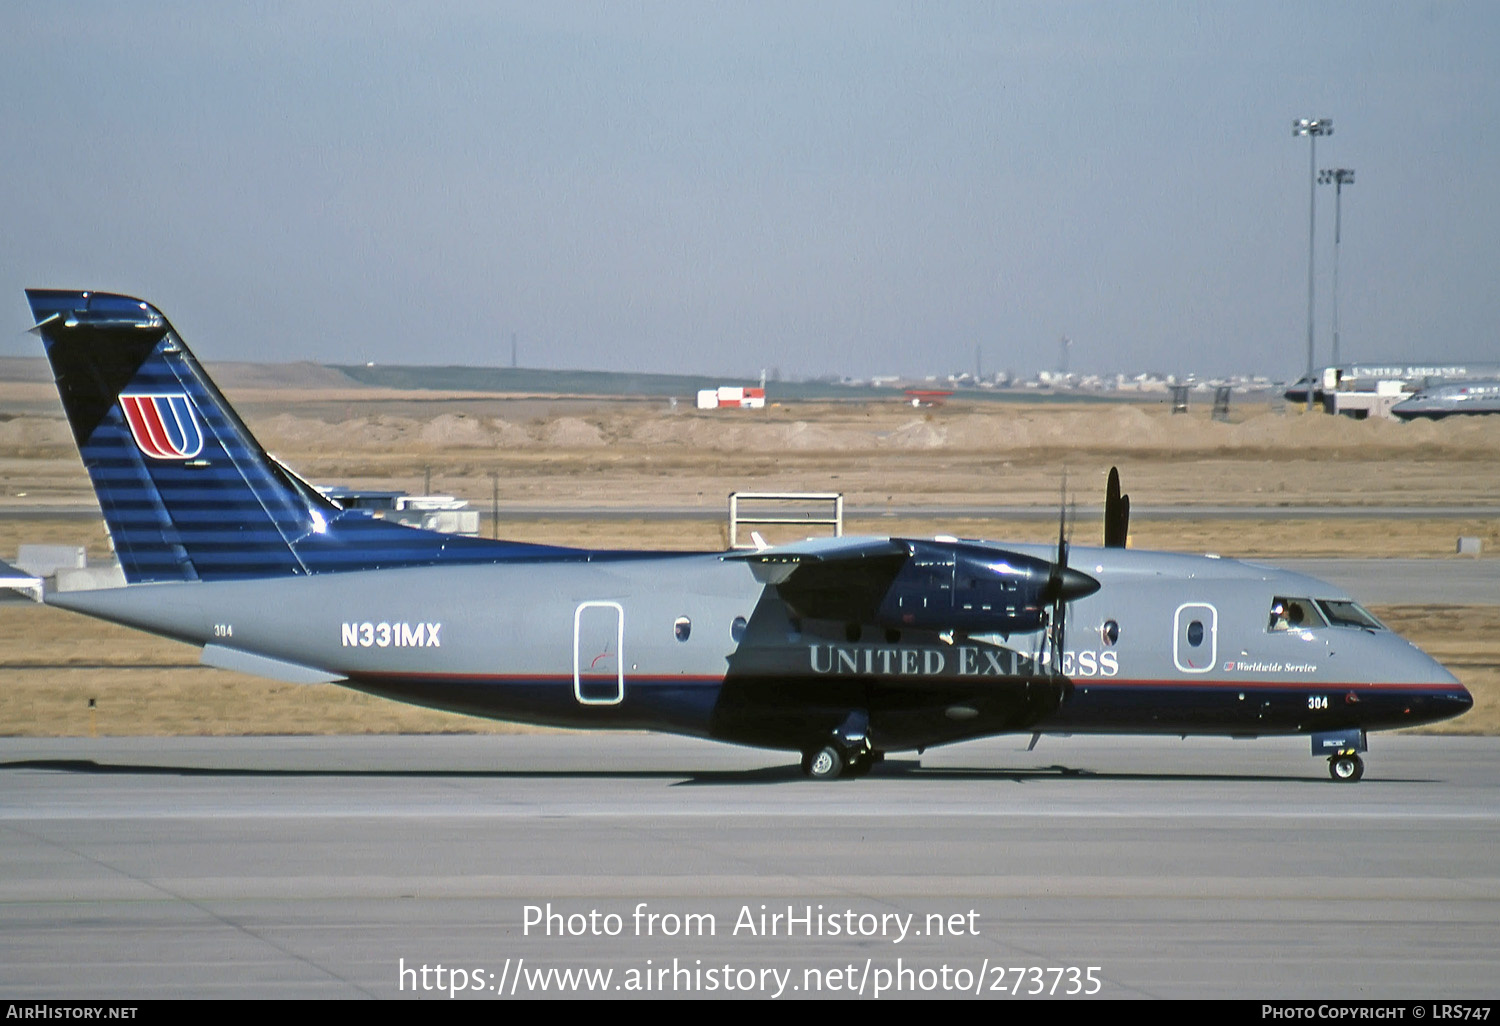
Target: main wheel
{"x": 1346, "y": 768}
{"x": 824, "y": 763}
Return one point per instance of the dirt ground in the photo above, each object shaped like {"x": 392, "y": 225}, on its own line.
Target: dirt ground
{"x": 596, "y": 454}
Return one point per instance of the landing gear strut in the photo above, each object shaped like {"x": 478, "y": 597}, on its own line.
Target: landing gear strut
{"x": 1346, "y": 767}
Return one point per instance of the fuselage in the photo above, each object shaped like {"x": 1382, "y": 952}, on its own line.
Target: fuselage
{"x": 1460, "y": 399}
{"x": 695, "y": 644}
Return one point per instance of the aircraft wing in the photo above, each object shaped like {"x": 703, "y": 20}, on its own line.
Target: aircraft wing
{"x": 832, "y": 578}
{"x": 816, "y": 550}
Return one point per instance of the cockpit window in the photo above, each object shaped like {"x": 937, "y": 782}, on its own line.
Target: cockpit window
{"x": 1342, "y": 613}
{"x": 1294, "y": 614}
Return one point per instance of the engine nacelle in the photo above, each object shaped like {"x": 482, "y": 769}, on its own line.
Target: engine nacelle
{"x": 952, "y": 586}
{"x": 936, "y": 586}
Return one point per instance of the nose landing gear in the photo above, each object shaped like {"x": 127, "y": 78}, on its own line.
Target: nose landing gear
{"x": 1342, "y": 748}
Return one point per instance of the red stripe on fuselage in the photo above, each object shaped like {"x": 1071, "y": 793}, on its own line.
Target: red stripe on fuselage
{"x": 1078, "y": 682}
{"x": 1284, "y": 685}
{"x": 533, "y": 678}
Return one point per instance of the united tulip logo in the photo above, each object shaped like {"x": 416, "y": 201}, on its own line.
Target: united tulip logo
{"x": 164, "y": 426}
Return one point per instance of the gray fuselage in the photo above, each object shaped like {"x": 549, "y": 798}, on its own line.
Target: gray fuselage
{"x": 696, "y": 644}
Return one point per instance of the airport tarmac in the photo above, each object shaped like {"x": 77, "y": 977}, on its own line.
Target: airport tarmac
{"x": 321, "y": 867}
{"x": 1444, "y": 582}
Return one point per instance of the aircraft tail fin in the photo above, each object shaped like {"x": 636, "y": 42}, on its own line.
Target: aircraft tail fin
{"x": 186, "y": 490}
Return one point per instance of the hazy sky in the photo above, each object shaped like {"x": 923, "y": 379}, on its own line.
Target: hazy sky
{"x": 852, "y": 188}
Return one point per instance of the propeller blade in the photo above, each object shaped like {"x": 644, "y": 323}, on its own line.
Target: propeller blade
{"x": 1057, "y": 582}
{"x": 1116, "y": 512}
{"x": 1062, "y": 523}
{"x": 1064, "y": 584}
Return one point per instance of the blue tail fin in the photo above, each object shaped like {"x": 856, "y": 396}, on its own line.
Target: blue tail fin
{"x": 187, "y": 492}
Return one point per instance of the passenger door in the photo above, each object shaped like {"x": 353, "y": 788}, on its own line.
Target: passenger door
{"x": 598, "y": 653}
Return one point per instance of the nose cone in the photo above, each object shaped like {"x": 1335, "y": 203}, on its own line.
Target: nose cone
{"x": 1076, "y": 584}
{"x": 1453, "y": 700}
{"x": 1451, "y": 695}
{"x": 1432, "y": 692}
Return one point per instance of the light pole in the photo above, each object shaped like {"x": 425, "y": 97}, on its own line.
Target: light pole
{"x": 1312, "y": 128}
{"x": 1340, "y": 177}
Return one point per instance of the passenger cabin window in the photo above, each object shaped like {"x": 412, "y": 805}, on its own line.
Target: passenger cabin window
{"x": 1294, "y": 614}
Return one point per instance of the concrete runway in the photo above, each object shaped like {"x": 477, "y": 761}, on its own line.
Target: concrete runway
{"x": 312, "y": 867}
{"x": 1458, "y": 581}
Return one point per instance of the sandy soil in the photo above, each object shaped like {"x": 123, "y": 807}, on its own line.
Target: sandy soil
{"x": 627, "y": 453}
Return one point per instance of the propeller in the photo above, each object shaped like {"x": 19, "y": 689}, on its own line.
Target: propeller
{"x": 1064, "y": 584}
{"x": 1057, "y": 586}
{"x": 1116, "y": 513}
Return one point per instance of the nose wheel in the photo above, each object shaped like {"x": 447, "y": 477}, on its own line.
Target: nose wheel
{"x": 1346, "y": 768}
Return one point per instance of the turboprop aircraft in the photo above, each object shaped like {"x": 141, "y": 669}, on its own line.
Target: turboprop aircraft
{"x": 1459, "y": 399}
{"x": 841, "y": 649}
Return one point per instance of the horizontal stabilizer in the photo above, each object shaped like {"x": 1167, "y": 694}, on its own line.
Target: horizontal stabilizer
{"x": 224, "y": 658}
{"x": 18, "y": 580}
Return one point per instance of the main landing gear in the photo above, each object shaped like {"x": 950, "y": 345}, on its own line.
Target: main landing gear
{"x": 1346, "y": 767}
{"x": 847, "y": 753}
{"x": 833, "y": 760}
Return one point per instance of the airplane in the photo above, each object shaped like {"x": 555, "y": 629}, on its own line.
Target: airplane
{"x": 841, "y": 649}
{"x": 1366, "y": 377}
{"x": 1441, "y": 401}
